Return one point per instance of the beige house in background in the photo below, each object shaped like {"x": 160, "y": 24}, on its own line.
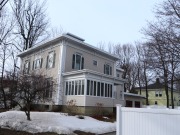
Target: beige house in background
{"x": 84, "y": 73}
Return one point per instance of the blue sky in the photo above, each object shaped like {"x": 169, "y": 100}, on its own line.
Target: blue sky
{"x": 115, "y": 21}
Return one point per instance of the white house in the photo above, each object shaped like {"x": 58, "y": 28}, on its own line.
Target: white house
{"x": 84, "y": 73}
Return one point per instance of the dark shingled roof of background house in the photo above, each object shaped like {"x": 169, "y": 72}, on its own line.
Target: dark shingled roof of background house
{"x": 156, "y": 85}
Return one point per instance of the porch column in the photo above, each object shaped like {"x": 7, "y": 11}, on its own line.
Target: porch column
{"x": 85, "y": 90}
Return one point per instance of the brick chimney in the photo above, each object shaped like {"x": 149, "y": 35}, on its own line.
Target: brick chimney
{"x": 157, "y": 80}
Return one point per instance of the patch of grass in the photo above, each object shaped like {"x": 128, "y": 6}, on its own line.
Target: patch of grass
{"x": 106, "y": 118}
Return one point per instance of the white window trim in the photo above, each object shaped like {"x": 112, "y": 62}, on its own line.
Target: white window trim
{"x": 47, "y": 66}
{"x": 80, "y": 61}
{"x": 37, "y": 57}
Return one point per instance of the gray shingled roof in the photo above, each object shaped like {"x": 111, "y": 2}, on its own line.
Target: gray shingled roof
{"x": 156, "y": 85}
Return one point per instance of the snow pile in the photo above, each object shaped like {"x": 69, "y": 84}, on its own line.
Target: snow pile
{"x": 53, "y": 122}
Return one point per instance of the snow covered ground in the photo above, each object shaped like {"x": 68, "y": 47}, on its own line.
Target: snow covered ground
{"x": 53, "y": 122}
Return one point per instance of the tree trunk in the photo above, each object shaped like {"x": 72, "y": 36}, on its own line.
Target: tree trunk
{"x": 166, "y": 87}
{"x": 139, "y": 82}
{"x": 172, "y": 95}
{"x": 146, "y": 83}
{"x": 28, "y": 115}
{"x": 2, "y": 86}
{"x": 147, "y": 100}
{"x": 28, "y": 112}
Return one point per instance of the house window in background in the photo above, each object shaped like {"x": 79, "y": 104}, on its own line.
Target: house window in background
{"x": 155, "y": 102}
{"x": 156, "y": 93}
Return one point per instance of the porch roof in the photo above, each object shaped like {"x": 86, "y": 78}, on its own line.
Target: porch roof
{"x": 87, "y": 71}
{"x": 133, "y": 95}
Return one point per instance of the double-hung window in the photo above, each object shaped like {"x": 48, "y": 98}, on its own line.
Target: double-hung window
{"x": 37, "y": 63}
{"x": 27, "y": 66}
{"x": 48, "y": 88}
{"x": 77, "y": 62}
{"x": 156, "y": 93}
{"x": 94, "y": 62}
{"x": 107, "y": 69}
{"x": 50, "y": 63}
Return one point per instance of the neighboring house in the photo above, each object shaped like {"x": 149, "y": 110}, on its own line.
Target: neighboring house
{"x": 84, "y": 73}
{"x": 157, "y": 94}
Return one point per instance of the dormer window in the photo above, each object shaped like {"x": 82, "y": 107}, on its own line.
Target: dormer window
{"x": 77, "y": 62}
{"x": 107, "y": 69}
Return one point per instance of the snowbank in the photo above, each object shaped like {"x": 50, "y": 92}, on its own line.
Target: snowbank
{"x": 53, "y": 122}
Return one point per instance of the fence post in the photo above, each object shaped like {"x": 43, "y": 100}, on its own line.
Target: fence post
{"x": 118, "y": 120}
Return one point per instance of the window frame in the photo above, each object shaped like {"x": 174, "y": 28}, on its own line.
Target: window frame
{"x": 74, "y": 87}
{"x": 26, "y": 70}
{"x": 95, "y": 63}
{"x": 49, "y": 89}
{"x": 74, "y": 61}
{"x": 53, "y": 62}
{"x": 156, "y": 93}
{"x": 107, "y": 69}
{"x": 35, "y": 67}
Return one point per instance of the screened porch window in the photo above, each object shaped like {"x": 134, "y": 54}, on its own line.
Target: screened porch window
{"x": 95, "y": 88}
{"x": 75, "y": 87}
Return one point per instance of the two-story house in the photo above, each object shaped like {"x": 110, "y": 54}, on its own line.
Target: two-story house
{"x": 157, "y": 94}
{"x": 84, "y": 73}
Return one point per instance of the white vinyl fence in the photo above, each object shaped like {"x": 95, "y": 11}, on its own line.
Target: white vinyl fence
{"x": 146, "y": 121}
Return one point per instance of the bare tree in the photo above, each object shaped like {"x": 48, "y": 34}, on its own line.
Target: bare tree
{"x": 32, "y": 89}
{"x": 139, "y": 66}
{"x": 55, "y": 31}
{"x": 164, "y": 44}
{"x": 158, "y": 56}
{"x": 126, "y": 53}
{"x": 5, "y": 34}
{"x": 2, "y": 4}
{"x": 101, "y": 45}
{"x": 31, "y": 22}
